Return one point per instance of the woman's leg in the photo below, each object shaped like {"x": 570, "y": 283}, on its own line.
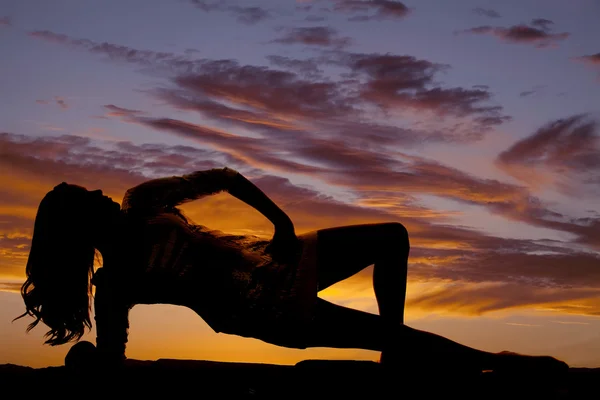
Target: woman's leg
{"x": 343, "y": 252}
{"x": 342, "y": 327}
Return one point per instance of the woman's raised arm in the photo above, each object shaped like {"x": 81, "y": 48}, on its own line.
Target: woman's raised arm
{"x": 172, "y": 191}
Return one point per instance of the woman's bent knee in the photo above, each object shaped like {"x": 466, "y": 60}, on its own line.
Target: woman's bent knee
{"x": 395, "y": 231}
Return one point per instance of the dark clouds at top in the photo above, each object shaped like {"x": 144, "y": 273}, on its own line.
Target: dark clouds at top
{"x": 391, "y": 83}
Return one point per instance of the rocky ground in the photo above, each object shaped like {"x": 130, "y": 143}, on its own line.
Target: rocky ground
{"x": 308, "y": 379}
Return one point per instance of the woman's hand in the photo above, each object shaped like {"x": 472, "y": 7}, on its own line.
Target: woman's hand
{"x": 285, "y": 245}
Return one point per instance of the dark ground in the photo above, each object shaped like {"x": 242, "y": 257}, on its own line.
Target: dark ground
{"x": 309, "y": 379}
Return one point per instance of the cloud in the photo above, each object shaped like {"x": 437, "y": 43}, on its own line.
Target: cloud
{"x": 315, "y": 18}
{"x": 307, "y": 68}
{"x": 564, "y": 152}
{"x": 5, "y": 21}
{"x": 297, "y": 123}
{"x": 118, "y": 52}
{"x": 247, "y": 15}
{"x": 531, "y": 91}
{"x": 542, "y": 23}
{"x": 405, "y": 81}
{"x": 12, "y": 287}
{"x": 314, "y": 36}
{"x": 266, "y": 89}
{"x": 61, "y": 102}
{"x": 287, "y": 111}
{"x": 56, "y": 100}
{"x": 455, "y": 255}
{"x": 329, "y": 130}
{"x": 114, "y": 111}
{"x": 486, "y": 12}
{"x": 461, "y": 298}
{"x": 537, "y": 34}
{"x": 365, "y": 10}
{"x": 391, "y": 83}
{"x": 592, "y": 59}
{"x": 346, "y": 165}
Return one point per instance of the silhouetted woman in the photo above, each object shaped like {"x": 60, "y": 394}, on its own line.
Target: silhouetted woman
{"x": 239, "y": 285}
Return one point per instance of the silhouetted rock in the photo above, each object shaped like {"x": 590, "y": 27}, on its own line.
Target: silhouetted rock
{"x": 310, "y": 379}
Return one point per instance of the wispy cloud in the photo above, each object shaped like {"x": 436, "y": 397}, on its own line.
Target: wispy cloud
{"x": 60, "y": 101}
{"x": 564, "y": 152}
{"x": 532, "y": 91}
{"x": 479, "y": 269}
{"x": 114, "y": 111}
{"x": 593, "y": 59}
{"x": 366, "y": 10}
{"x": 536, "y": 33}
{"x": 12, "y": 287}
{"x": 486, "y": 12}
{"x": 385, "y": 81}
{"x": 570, "y": 323}
{"x": 314, "y": 36}
{"x": 248, "y": 15}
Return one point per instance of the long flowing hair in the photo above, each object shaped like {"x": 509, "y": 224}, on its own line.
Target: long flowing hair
{"x": 57, "y": 291}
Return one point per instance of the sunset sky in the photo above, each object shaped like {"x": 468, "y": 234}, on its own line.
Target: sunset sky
{"x": 474, "y": 123}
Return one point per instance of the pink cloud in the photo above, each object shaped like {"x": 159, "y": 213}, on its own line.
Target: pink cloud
{"x": 60, "y": 101}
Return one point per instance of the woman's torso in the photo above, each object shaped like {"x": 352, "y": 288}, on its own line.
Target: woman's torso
{"x": 226, "y": 279}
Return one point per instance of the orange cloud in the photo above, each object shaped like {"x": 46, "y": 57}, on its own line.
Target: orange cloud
{"x": 439, "y": 253}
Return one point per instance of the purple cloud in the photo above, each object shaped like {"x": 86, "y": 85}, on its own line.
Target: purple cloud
{"x": 247, "y": 15}
{"x": 382, "y": 80}
{"x": 314, "y": 36}
{"x": 537, "y": 34}
{"x": 365, "y": 10}
{"x": 566, "y": 149}
{"x": 592, "y": 59}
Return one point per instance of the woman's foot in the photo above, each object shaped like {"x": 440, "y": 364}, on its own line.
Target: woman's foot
{"x": 428, "y": 363}
{"x": 507, "y": 362}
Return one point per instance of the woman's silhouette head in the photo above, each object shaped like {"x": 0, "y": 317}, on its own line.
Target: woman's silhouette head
{"x": 69, "y": 222}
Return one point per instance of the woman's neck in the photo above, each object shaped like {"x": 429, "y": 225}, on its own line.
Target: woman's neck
{"x": 109, "y": 238}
